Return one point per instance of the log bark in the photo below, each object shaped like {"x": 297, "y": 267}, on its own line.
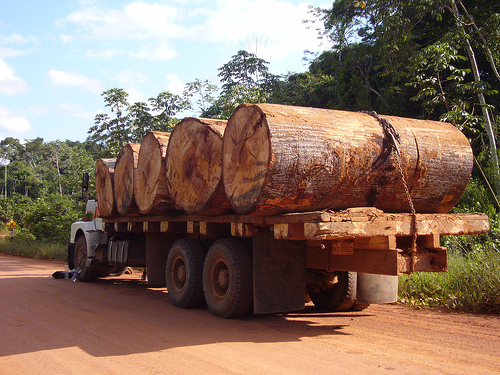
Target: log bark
{"x": 279, "y": 159}
{"x": 126, "y": 164}
{"x": 104, "y": 181}
{"x": 150, "y": 188}
{"x": 194, "y": 167}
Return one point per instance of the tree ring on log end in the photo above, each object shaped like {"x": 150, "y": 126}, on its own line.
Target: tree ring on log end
{"x": 104, "y": 174}
{"x": 246, "y": 157}
{"x": 150, "y": 175}
{"x": 126, "y": 163}
{"x": 194, "y": 166}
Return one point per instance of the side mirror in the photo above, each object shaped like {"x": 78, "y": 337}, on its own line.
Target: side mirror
{"x": 85, "y": 182}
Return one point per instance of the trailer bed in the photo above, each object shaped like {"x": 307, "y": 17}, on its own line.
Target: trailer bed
{"x": 362, "y": 239}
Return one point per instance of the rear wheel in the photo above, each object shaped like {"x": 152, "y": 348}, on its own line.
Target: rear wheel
{"x": 184, "y": 273}
{"x": 227, "y": 279}
{"x": 340, "y": 296}
{"x": 80, "y": 261}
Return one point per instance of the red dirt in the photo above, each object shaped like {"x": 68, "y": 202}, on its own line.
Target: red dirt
{"x": 121, "y": 326}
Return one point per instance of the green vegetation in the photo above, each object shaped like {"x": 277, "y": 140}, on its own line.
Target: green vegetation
{"x": 433, "y": 59}
{"x": 36, "y": 250}
{"x": 472, "y": 284}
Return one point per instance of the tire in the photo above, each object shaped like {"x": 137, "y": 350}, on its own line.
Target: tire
{"x": 184, "y": 273}
{"x": 228, "y": 279}
{"x": 359, "y": 306}
{"x": 71, "y": 256}
{"x": 80, "y": 260}
{"x": 340, "y": 297}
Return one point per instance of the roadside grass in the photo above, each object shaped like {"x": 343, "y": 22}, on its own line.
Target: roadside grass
{"x": 34, "y": 249}
{"x": 472, "y": 284}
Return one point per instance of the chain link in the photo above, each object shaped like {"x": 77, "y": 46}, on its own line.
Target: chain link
{"x": 394, "y": 139}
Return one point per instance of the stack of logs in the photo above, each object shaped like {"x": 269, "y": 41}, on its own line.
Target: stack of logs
{"x": 270, "y": 159}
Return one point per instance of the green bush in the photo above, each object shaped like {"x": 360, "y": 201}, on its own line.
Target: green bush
{"x": 33, "y": 249}
{"x": 472, "y": 284}
{"x": 45, "y": 219}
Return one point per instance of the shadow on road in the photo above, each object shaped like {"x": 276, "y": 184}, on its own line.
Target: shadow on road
{"x": 122, "y": 316}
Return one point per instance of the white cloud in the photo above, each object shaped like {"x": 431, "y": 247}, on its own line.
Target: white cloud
{"x": 66, "y": 38}
{"x": 10, "y": 52}
{"x": 136, "y": 20}
{"x": 11, "y": 124}
{"x": 128, "y": 77}
{"x": 74, "y": 110}
{"x": 223, "y": 22}
{"x": 135, "y": 95}
{"x": 17, "y": 39}
{"x": 279, "y": 22}
{"x": 10, "y": 84}
{"x": 107, "y": 53}
{"x": 175, "y": 84}
{"x": 162, "y": 51}
{"x": 60, "y": 78}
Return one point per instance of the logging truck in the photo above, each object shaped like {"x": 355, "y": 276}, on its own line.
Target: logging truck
{"x": 277, "y": 206}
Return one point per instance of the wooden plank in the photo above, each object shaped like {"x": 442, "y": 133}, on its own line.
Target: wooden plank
{"x": 173, "y": 227}
{"x": 215, "y": 230}
{"x": 134, "y": 227}
{"x": 151, "y": 226}
{"x": 389, "y": 262}
{"x": 326, "y": 225}
{"x": 399, "y": 225}
{"x": 193, "y": 227}
{"x": 289, "y": 231}
{"x": 375, "y": 243}
{"x": 121, "y": 226}
{"x": 242, "y": 230}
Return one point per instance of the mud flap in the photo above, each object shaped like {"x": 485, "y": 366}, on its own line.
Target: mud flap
{"x": 373, "y": 288}
{"x": 157, "y": 247}
{"x": 279, "y": 273}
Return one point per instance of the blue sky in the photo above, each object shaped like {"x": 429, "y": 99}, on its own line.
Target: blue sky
{"x": 57, "y": 57}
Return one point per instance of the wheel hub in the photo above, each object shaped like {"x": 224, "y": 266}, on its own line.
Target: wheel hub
{"x": 223, "y": 279}
{"x": 181, "y": 274}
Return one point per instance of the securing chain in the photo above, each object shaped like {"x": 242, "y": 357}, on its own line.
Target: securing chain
{"x": 394, "y": 140}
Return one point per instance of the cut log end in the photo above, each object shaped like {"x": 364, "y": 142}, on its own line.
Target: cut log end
{"x": 126, "y": 163}
{"x": 194, "y": 167}
{"x": 246, "y": 157}
{"x": 104, "y": 178}
{"x": 150, "y": 189}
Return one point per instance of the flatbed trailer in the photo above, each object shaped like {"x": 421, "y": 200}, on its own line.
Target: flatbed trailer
{"x": 235, "y": 263}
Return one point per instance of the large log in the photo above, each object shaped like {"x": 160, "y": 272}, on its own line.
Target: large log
{"x": 194, "y": 167}
{"x": 126, "y": 164}
{"x": 280, "y": 159}
{"x": 104, "y": 180}
{"x": 150, "y": 188}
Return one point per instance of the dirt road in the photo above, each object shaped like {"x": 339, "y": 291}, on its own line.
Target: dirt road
{"x": 120, "y": 326}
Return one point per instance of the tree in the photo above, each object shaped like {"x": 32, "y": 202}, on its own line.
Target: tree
{"x": 244, "y": 69}
{"x": 111, "y": 132}
{"x": 227, "y": 102}
{"x": 132, "y": 121}
{"x": 203, "y": 93}
{"x": 167, "y": 105}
